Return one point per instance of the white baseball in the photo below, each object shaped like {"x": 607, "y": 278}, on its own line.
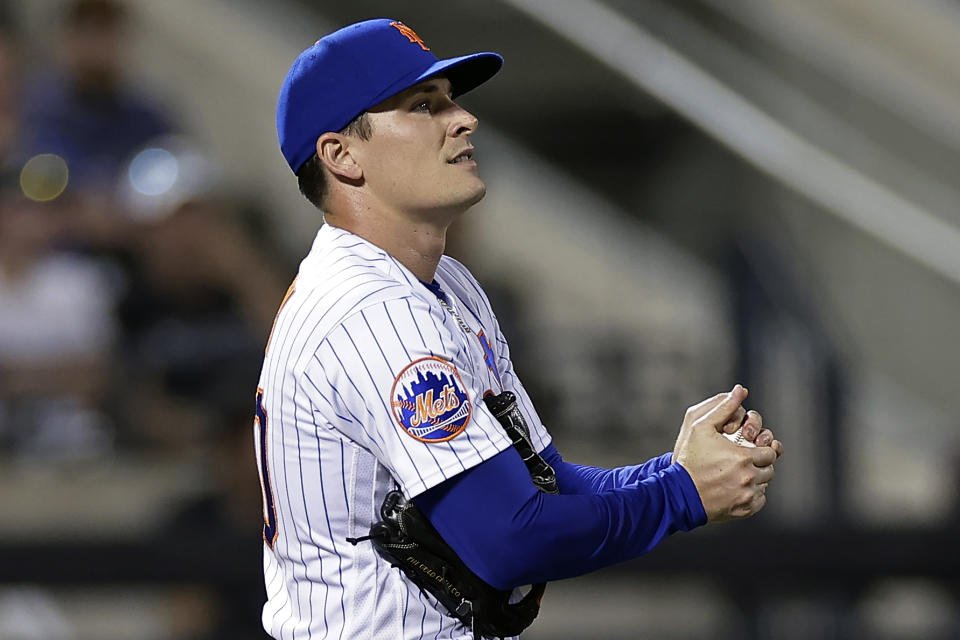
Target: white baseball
{"x": 737, "y": 438}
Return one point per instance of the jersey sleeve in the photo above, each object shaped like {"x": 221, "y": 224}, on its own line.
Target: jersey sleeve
{"x": 499, "y": 351}
{"x": 397, "y": 378}
{"x": 539, "y": 436}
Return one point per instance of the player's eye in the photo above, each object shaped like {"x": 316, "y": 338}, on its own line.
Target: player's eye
{"x": 423, "y": 106}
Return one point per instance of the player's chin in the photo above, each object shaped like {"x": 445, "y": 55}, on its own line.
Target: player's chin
{"x": 471, "y": 194}
{"x": 478, "y": 193}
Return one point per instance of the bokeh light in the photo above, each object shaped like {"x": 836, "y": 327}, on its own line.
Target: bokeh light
{"x": 167, "y": 172}
{"x": 44, "y": 177}
{"x": 153, "y": 171}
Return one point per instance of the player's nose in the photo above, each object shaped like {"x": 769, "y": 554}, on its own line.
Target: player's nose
{"x": 463, "y": 122}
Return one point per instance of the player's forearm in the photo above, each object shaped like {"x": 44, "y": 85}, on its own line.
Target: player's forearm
{"x": 583, "y": 479}
{"x": 579, "y": 534}
{"x": 515, "y": 535}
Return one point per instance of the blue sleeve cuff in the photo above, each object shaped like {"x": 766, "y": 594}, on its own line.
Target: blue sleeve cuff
{"x": 683, "y": 493}
{"x": 662, "y": 461}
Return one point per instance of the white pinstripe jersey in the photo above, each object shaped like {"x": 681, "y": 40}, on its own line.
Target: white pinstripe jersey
{"x": 357, "y": 395}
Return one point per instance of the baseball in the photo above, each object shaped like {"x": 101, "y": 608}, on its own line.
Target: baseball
{"x": 737, "y": 438}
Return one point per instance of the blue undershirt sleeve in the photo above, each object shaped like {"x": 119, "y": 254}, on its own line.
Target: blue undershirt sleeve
{"x": 511, "y": 534}
{"x": 583, "y": 479}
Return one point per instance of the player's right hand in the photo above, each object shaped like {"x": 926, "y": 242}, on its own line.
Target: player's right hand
{"x": 731, "y": 480}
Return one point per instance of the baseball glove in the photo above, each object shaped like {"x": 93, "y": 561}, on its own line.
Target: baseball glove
{"x": 405, "y": 538}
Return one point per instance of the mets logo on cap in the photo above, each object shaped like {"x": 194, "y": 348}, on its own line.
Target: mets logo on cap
{"x": 410, "y": 34}
{"x": 429, "y": 400}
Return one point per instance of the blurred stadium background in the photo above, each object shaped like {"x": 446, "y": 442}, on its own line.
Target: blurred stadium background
{"x": 682, "y": 194}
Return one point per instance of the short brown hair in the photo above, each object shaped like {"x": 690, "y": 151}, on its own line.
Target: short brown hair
{"x": 310, "y": 177}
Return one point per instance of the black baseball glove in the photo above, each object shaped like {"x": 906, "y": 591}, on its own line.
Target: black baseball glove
{"x": 405, "y": 538}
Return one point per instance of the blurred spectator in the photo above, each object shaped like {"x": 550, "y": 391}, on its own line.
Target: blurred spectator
{"x": 85, "y": 114}
{"x": 201, "y": 298}
{"x": 56, "y": 331}
{"x": 9, "y": 98}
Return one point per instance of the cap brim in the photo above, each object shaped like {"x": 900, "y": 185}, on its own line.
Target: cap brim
{"x": 464, "y": 72}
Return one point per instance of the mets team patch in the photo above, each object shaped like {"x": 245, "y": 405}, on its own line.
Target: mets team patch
{"x": 430, "y": 401}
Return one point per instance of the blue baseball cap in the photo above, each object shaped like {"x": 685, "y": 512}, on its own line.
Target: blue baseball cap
{"x": 351, "y": 70}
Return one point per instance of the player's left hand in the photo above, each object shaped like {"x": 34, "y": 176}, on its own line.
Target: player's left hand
{"x": 752, "y": 424}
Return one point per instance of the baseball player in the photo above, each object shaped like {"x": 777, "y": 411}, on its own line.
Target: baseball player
{"x": 375, "y": 395}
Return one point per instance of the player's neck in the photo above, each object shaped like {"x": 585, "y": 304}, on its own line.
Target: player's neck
{"x": 416, "y": 245}
{"x": 418, "y": 248}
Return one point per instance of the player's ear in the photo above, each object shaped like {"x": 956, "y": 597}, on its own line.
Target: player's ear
{"x": 334, "y": 152}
